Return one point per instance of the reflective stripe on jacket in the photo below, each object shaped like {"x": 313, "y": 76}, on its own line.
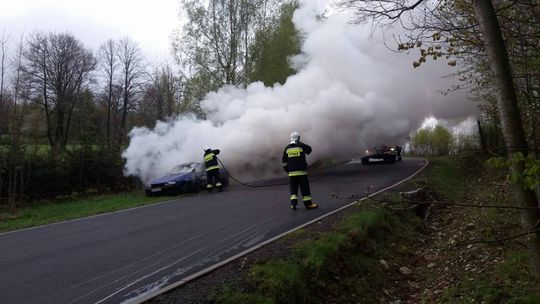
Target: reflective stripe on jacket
{"x": 210, "y": 160}
{"x": 294, "y": 159}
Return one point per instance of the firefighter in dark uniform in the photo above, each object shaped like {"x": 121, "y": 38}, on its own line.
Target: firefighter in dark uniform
{"x": 212, "y": 169}
{"x": 294, "y": 163}
{"x": 398, "y": 152}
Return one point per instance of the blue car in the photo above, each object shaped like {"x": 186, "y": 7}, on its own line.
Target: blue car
{"x": 185, "y": 178}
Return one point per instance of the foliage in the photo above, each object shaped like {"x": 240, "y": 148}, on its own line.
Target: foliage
{"x": 217, "y": 37}
{"x": 273, "y": 47}
{"x": 195, "y": 89}
{"x": 84, "y": 169}
{"x": 432, "y": 141}
{"x": 232, "y": 43}
{"x": 529, "y": 178}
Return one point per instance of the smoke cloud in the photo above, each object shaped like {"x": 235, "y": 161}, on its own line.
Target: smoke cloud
{"x": 350, "y": 92}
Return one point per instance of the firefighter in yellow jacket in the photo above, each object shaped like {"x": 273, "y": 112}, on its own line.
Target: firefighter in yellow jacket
{"x": 212, "y": 169}
{"x": 294, "y": 163}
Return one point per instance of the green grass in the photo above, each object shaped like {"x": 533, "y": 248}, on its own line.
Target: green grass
{"x": 510, "y": 282}
{"x": 230, "y": 296}
{"x": 350, "y": 252}
{"x": 445, "y": 177}
{"x": 283, "y": 280}
{"x": 55, "y": 211}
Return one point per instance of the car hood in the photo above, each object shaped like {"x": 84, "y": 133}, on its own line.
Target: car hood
{"x": 172, "y": 178}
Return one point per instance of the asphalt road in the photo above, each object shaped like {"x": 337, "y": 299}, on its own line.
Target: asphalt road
{"x": 120, "y": 256}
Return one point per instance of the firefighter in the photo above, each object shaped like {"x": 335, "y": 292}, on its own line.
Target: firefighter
{"x": 398, "y": 151}
{"x": 294, "y": 163}
{"x": 212, "y": 169}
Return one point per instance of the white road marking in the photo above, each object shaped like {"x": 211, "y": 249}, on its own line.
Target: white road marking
{"x": 187, "y": 256}
{"x": 146, "y": 297}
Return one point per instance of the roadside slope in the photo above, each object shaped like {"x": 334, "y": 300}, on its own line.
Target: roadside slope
{"x": 380, "y": 251}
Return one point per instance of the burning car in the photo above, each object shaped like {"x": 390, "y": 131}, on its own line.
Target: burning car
{"x": 383, "y": 152}
{"x": 185, "y": 178}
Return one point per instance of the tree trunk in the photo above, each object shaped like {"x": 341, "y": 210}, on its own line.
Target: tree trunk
{"x": 510, "y": 119}
{"x": 59, "y": 130}
{"x": 109, "y": 104}
{"x": 483, "y": 144}
{"x": 2, "y": 70}
{"x": 125, "y": 107}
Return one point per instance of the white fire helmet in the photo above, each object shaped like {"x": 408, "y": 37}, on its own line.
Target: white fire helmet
{"x": 206, "y": 148}
{"x": 295, "y": 137}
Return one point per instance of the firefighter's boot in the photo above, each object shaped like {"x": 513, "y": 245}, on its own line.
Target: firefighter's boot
{"x": 209, "y": 188}
{"x": 308, "y": 203}
{"x": 312, "y": 205}
{"x": 294, "y": 201}
{"x": 219, "y": 186}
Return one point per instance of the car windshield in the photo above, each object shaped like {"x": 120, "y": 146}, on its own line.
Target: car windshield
{"x": 186, "y": 168}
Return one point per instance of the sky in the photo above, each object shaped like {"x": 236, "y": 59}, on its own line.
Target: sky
{"x": 150, "y": 23}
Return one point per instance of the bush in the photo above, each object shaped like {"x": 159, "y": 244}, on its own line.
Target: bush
{"x": 83, "y": 170}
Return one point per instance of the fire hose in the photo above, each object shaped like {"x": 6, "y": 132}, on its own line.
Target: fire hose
{"x": 270, "y": 185}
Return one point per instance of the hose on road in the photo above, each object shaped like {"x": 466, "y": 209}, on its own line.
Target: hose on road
{"x": 274, "y": 184}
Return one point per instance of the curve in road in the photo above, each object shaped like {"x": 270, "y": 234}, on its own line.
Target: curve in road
{"x": 130, "y": 255}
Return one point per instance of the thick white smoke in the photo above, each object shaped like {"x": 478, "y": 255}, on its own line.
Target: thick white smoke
{"x": 350, "y": 92}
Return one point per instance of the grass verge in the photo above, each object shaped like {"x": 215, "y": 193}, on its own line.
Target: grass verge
{"x": 66, "y": 209}
{"x": 359, "y": 260}
{"x": 341, "y": 265}
{"x": 508, "y": 282}
{"x": 445, "y": 179}
{"x": 472, "y": 268}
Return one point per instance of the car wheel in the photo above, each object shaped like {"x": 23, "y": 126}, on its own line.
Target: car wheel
{"x": 195, "y": 187}
{"x": 390, "y": 160}
{"x": 365, "y": 161}
{"x": 185, "y": 188}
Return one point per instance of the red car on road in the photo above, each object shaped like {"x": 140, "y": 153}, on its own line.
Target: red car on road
{"x": 383, "y": 152}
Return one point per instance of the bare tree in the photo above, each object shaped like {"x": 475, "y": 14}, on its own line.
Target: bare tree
{"x": 108, "y": 62}
{"x": 59, "y": 67}
{"x": 164, "y": 90}
{"x": 132, "y": 71}
{"x": 16, "y": 180}
{"x": 3, "y": 50}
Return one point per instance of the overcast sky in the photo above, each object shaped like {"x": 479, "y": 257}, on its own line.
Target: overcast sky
{"x": 150, "y": 23}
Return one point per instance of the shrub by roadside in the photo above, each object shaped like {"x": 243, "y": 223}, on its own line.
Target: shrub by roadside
{"x": 31, "y": 176}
